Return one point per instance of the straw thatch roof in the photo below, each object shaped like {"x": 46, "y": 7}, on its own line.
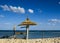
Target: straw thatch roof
{"x": 27, "y": 22}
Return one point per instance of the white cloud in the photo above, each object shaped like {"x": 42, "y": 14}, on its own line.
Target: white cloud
{"x": 51, "y": 23}
{"x": 58, "y": 2}
{"x": 5, "y": 7}
{"x": 54, "y": 21}
{"x": 17, "y": 9}
{"x": 13, "y": 9}
{"x": 2, "y": 16}
{"x": 31, "y": 11}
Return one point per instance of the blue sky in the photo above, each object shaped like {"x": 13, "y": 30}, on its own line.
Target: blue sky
{"x": 46, "y": 13}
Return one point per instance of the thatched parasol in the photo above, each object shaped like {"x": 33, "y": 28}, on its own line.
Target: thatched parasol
{"x": 27, "y": 23}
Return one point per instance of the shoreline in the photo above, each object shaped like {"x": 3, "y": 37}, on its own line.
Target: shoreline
{"x": 43, "y": 40}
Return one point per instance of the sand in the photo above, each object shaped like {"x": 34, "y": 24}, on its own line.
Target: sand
{"x": 44, "y": 40}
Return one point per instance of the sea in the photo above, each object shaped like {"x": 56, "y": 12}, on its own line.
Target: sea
{"x": 33, "y": 34}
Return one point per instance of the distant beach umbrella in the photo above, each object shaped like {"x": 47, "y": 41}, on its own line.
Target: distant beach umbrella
{"x": 14, "y": 29}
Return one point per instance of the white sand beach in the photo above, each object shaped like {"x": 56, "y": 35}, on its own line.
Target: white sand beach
{"x": 44, "y": 40}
